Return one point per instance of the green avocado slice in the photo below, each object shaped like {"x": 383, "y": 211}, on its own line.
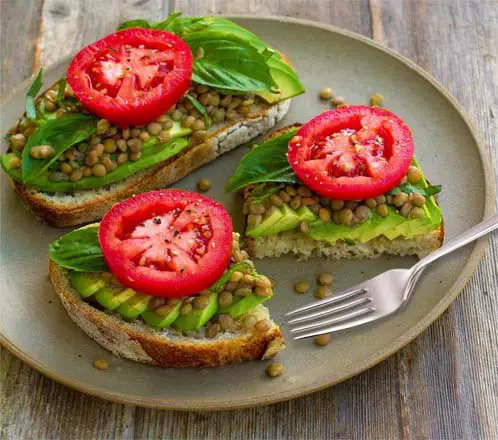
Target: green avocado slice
{"x": 86, "y": 284}
{"x": 289, "y": 220}
{"x": 155, "y": 320}
{"x": 264, "y": 227}
{"x": 243, "y": 305}
{"x": 306, "y": 214}
{"x": 380, "y": 225}
{"x": 197, "y": 318}
{"x": 111, "y": 297}
{"x": 134, "y": 306}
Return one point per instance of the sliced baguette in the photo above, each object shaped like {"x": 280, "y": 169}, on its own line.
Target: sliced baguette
{"x": 299, "y": 244}
{"x": 166, "y": 348}
{"x": 71, "y": 209}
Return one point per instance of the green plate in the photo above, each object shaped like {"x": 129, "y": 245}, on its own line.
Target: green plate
{"x": 36, "y": 328}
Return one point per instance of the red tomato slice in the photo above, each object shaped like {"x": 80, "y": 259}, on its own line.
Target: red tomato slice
{"x": 352, "y": 153}
{"x": 133, "y": 76}
{"x": 167, "y": 243}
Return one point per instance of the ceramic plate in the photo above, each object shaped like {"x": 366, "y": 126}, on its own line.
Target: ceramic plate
{"x": 36, "y": 328}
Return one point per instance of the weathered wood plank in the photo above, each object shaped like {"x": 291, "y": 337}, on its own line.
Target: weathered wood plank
{"x": 21, "y": 19}
{"x": 443, "y": 385}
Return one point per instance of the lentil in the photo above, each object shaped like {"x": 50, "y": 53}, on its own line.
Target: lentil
{"x": 325, "y": 279}
{"x": 201, "y": 302}
{"x": 249, "y": 322}
{"x": 345, "y": 216}
{"x": 122, "y": 158}
{"x": 324, "y": 214}
{"x": 203, "y": 184}
{"x": 276, "y": 200}
{"x": 416, "y": 212}
{"x": 262, "y": 292}
{"x": 226, "y": 322}
{"x": 326, "y": 93}
{"x": 400, "y": 199}
{"x": 295, "y": 203}
{"x": 263, "y": 325}
{"x": 102, "y": 126}
{"x": 135, "y": 156}
{"x": 263, "y": 281}
{"x": 185, "y": 309}
{"x": 14, "y": 162}
{"x": 291, "y": 191}
{"x": 337, "y": 205}
{"x": 99, "y": 170}
{"x": 286, "y": 198}
{"x": 243, "y": 291}
{"x": 101, "y": 364}
{"x": 156, "y": 302}
{"x": 323, "y": 340}
{"x": 309, "y": 201}
{"x": 164, "y": 310}
{"x": 405, "y": 209}
{"x": 382, "y": 210}
{"x": 164, "y": 136}
{"x": 226, "y": 298}
{"x": 417, "y": 199}
{"x": 76, "y": 175}
{"x": 362, "y": 213}
{"x": 337, "y": 101}
{"x": 108, "y": 163}
{"x": 256, "y": 208}
{"x": 376, "y": 99}
{"x": 371, "y": 203}
{"x": 213, "y": 330}
{"x": 304, "y": 192}
{"x": 413, "y": 175}
{"x": 302, "y": 287}
{"x": 323, "y": 292}
{"x": 87, "y": 172}
{"x": 275, "y": 369}
{"x": 304, "y": 227}
{"x": 17, "y": 141}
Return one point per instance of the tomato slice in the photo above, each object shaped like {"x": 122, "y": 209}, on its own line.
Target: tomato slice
{"x": 167, "y": 243}
{"x": 352, "y": 153}
{"x": 133, "y": 76}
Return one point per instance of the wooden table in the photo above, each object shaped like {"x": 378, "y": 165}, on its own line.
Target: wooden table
{"x": 442, "y": 385}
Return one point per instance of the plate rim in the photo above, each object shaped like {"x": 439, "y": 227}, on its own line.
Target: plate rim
{"x": 377, "y": 357}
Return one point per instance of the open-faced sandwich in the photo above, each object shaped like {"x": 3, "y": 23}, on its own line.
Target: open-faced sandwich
{"x": 344, "y": 185}
{"x": 163, "y": 280}
{"x": 140, "y": 109}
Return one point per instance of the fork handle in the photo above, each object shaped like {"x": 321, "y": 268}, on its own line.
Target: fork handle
{"x": 472, "y": 234}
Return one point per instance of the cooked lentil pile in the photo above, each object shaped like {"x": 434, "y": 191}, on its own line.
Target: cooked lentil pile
{"x": 341, "y": 212}
{"x": 112, "y": 146}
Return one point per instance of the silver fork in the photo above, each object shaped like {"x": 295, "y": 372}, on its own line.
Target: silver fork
{"x": 375, "y": 298}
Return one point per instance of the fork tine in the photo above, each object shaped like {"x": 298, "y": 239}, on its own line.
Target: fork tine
{"x": 340, "y": 318}
{"x": 336, "y": 298}
{"x": 335, "y": 328}
{"x": 335, "y": 309}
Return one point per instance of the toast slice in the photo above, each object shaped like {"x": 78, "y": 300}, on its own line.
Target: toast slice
{"x": 167, "y": 347}
{"x": 302, "y": 246}
{"x": 71, "y": 209}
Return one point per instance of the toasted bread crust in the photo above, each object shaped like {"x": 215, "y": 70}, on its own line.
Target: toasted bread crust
{"x": 79, "y": 211}
{"x": 141, "y": 343}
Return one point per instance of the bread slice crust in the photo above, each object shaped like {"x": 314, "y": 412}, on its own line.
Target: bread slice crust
{"x": 165, "y": 348}
{"x": 71, "y": 209}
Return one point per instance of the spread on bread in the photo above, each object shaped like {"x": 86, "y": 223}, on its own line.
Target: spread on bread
{"x": 344, "y": 185}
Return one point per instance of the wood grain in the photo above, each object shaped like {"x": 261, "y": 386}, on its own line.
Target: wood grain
{"x": 444, "y": 385}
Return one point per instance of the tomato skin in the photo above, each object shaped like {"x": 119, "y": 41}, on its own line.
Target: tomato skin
{"x": 322, "y": 153}
{"x": 131, "y": 230}
{"x": 135, "y": 104}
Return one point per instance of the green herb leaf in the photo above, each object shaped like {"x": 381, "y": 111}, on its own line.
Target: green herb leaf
{"x": 265, "y": 163}
{"x": 228, "y": 62}
{"x": 60, "y": 91}
{"x": 261, "y": 192}
{"x": 200, "y": 108}
{"x": 60, "y": 134}
{"x": 182, "y": 26}
{"x": 408, "y": 188}
{"x": 79, "y": 250}
{"x": 216, "y": 287}
{"x": 31, "y": 95}
{"x": 134, "y": 24}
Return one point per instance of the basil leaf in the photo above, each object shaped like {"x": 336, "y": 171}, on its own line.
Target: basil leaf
{"x": 31, "y": 95}
{"x": 200, "y": 108}
{"x": 408, "y": 188}
{"x": 79, "y": 250}
{"x": 60, "y": 134}
{"x": 216, "y": 287}
{"x": 134, "y": 24}
{"x": 265, "y": 163}
{"x": 261, "y": 192}
{"x": 182, "y": 26}
{"x": 228, "y": 63}
{"x": 60, "y": 91}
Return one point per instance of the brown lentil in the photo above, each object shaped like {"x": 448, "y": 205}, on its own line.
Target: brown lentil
{"x": 254, "y": 220}
{"x": 337, "y": 205}
{"x": 201, "y": 302}
{"x": 323, "y": 340}
{"x": 416, "y": 212}
{"x": 295, "y": 203}
{"x": 309, "y": 201}
{"x": 76, "y": 175}
{"x": 263, "y": 325}
{"x": 156, "y": 302}
{"x": 405, "y": 209}
{"x": 226, "y": 298}
{"x": 185, "y": 309}
{"x": 323, "y": 292}
{"x": 102, "y": 126}
{"x": 226, "y": 322}
{"x": 199, "y": 135}
{"x": 164, "y": 136}
{"x": 324, "y": 214}
{"x": 325, "y": 279}
{"x": 275, "y": 369}
{"x": 14, "y": 162}
{"x": 135, "y": 156}
{"x": 286, "y": 198}
{"x": 417, "y": 199}
{"x": 249, "y": 322}
{"x": 109, "y": 164}
{"x": 17, "y": 141}
{"x": 413, "y": 175}
{"x": 213, "y": 330}
{"x": 203, "y": 184}
{"x": 164, "y": 310}
{"x": 371, "y": 203}
{"x": 304, "y": 227}
{"x": 256, "y": 208}
{"x": 326, "y": 93}
{"x": 99, "y": 170}
{"x": 382, "y": 210}
{"x": 304, "y": 192}
{"x": 122, "y": 158}
{"x": 263, "y": 281}
{"x": 50, "y": 106}
{"x": 87, "y": 172}
{"x": 243, "y": 291}
{"x": 262, "y": 292}
{"x": 302, "y": 287}
{"x": 101, "y": 364}
{"x": 291, "y": 190}
{"x": 400, "y": 199}
{"x": 362, "y": 213}
{"x": 236, "y": 276}
{"x": 376, "y": 99}
{"x": 276, "y": 200}
{"x": 337, "y": 101}
{"x": 65, "y": 168}
{"x": 345, "y": 216}
{"x": 144, "y": 136}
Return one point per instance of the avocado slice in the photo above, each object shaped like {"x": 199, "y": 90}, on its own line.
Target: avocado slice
{"x": 306, "y": 214}
{"x": 266, "y": 224}
{"x": 155, "y": 320}
{"x": 197, "y": 318}
{"x": 111, "y": 297}
{"x": 331, "y": 232}
{"x": 244, "y": 304}
{"x": 85, "y": 283}
{"x": 380, "y": 225}
{"x": 134, "y": 306}
{"x": 289, "y": 220}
